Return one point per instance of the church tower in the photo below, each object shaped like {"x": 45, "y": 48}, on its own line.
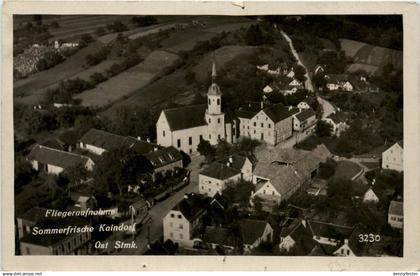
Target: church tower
{"x": 214, "y": 116}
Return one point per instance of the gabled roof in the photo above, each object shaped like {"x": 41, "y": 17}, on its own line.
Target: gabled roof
{"x": 305, "y": 114}
{"x": 192, "y": 206}
{"x": 62, "y": 159}
{"x": 69, "y": 137}
{"x": 302, "y": 236}
{"x": 330, "y": 230}
{"x": 186, "y": 117}
{"x": 277, "y": 112}
{"x": 164, "y": 156}
{"x": 337, "y": 78}
{"x": 219, "y": 171}
{"x": 249, "y": 110}
{"x": 396, "y": 208}
{"x": 34, "y": 214}
{"x": 219, "y": 235}
{"x": 357, "y": 247}
{"x": 251, "y": 230}
{"x": 237, "y": 163}
{"x": 283, "y": 178}
{"x": 139, "y": 146}
{"x": 338, "y": 117}
{"x": 102, "y": 139}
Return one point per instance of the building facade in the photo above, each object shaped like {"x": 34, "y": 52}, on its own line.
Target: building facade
{"x": 392, "y": 158}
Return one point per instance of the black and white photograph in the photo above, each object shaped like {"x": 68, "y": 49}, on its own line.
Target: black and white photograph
{"x": 258, "y": 135}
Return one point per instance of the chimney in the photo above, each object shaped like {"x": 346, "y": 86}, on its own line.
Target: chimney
{"x": 290, "y": 108}
{"x": 148, "y": 140}
{"x": 139, "y": 138}
{"x": 185, "y": 196}
{"x": 230, "y": 159}
{"x": 346, "y": 241}
{"x": 304, "y": 223}
{"x": 228, "y": 164}
{"x": 262, "y": 105}
{"x": 155, "y": 149}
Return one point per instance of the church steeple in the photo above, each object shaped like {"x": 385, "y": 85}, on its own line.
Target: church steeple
{"x": 214, "y": 89}
{"x": 213, "y": 72}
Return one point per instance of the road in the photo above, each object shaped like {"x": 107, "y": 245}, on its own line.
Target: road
{"x": 158, "y": 211}
{"x": 327, "y": 107}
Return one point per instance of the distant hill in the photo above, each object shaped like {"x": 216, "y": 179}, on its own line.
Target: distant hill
{"x": 370, "y": 58}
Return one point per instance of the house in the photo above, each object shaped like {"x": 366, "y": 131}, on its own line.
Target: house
{"x": 305, "y": 119}
{"x": 220, "y": 238}
{"x": 338, "y": 121}
{"x": 253, "y": 232}
{"x": 291, "y": 73}
{"x": 280, "y": 173}
{"x": 53, "y": 161}
{"x": 83, "y": 201}
{"x": 29, "y": 219}
{"x": 392, "y": 158}
{"x": 336, "y": 82}
{"x": 181, "y": 222}
{"x": 184, "y": 127}
{"x": 267, "y": 89}
{"x": 214, "y": 178}
{"x": 240, "y": 163}
{"x": 308, "y": 102}
{"x": 351, "y": 246}
{"x": 296, "y": 237}
{"x": 98, "y": 141}
{"x": 75, "y": 243}
{"x": 165, "y": 159}
{"x": 370, "y": 195}
{"x": 271, "y": 124}
{"x": 328, "y": 233}
{"x": 396, "y": 214}
{"x": 319, "y": 69}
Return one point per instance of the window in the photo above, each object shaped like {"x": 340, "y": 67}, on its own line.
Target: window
{"x": 209, "y": 136}
{"x": 190, "y": 141}
{"x": 348, "y": 252}
{"x": 255, "y": 124}
{"x": 181, "y": 236}
{"x": 172, "y": 215}
{"x": 209, "y": 101}
{"x": 28, "y": 251}
{"x": 272, "y": 192}
{"x": 201, "y": 137}
{"x": 181, "y": 226}
{"x": 218, "y": 136}
{"x": 179, "y": 143}
{"x": 255, "y": 131}
{"x": 171, "y": 234}
{"x": 163, "y": 133}
{"x": 202, "y": 187}
{"x": 190, "y": 151}
{"x": 209, "y": 120}
{"x": 262, "y": 125}
{"x": 269, "y": 125}
{"x": 218, "y": 101}
{"x": 218, "y": 120}
{"x": 179, "y": 216}
{"x": 263, "y": 191}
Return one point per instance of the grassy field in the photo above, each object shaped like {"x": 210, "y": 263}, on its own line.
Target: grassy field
{"x": 346, "y": 169}
{"x": 367, "y": 57}
{"x": 32, "y": 89}
{"x": 129, "y": 81}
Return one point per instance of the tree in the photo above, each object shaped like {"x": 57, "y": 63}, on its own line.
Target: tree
{"x": 323, "y": 129}
{"x": 100, "y": 31}
{"x": 340, "y": 190}
{"x": 205, "y": 149}
{"x": 96, "y": 78}
{"x": 76, "y": 173}
{"x": 254, "y": 36}
{"x": 299, "y": 45}
{"x": 116, "y": 26}
{"x": 142, "y": 21}
{"x": 327, "y": 168}
{"x": 300, "y": 73}
{"x": 24, "y": 173}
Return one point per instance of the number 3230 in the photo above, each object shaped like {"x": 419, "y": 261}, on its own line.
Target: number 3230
{"x": 369, "y": 238}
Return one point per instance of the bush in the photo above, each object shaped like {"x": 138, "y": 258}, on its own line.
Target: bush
{"x": 327, "y": 169}
{"x": 142, "y": 21}
{"x": 96, "y": 58}
{"x": 96, "y": 78}
{"x": 116, "y": 26}
{"x": 323, "y": 129}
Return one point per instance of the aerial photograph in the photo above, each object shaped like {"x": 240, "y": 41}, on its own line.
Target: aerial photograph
{"x": 274, "y": 135}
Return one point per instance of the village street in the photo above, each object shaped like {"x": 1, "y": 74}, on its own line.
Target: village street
{"x": 154, "y": 228}
{"x": 327, "y": 107}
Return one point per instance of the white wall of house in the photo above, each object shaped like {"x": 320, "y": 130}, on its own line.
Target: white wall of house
{"x": 170, "y": 166}
{"x": 247, "y": 170}
{"x": 344, "y": 251}
{"x": 92, "y": 148}
{"x": 187, "y": 140}
{"x": 392, "y": 158}
{"x": 163, "y": 132}
{"x": 286, "y": 243}
{"x": 209, "y": 186}
{"x": 268, "y": 191}
{"x": 303, "y": 105}
{"x": 370, "y": 196}
{"x": 177, "y": 229}
{"x": 396, "y": 221}
{"x": 337, "y": 129}
{"x": 51, "y": 169}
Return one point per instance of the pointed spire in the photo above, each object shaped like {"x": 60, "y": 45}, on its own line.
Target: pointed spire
{"x": 213, "y": 70}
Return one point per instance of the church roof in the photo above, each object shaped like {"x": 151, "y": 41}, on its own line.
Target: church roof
{"x": 214, "y": 90}
{"x": 186, "y": 117}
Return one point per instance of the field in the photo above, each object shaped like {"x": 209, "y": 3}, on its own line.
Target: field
{"x": 129, "y": 81}
{"x": 367, "y": 57}
{"x": 222, "y": 55}
{"x": 346, "y": 169}
{"x": 32, "y": 89}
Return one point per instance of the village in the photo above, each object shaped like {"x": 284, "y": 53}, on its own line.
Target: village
{"x": 287, "y": 171}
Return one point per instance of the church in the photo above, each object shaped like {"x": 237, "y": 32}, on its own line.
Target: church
{"x": 184, "y": 127}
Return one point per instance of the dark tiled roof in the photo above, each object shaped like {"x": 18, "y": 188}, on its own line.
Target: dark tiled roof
{"x": 305, "y": 114}
{"x": 337, "y": 78}
{"x": 102, "y": 139}
{"x": 251, "y": 229}
{"x": 338, "y": 117}
{"x": 219, "y": 171}
{"x": 192, "y": 205}
{"x": 34, "y": 214}
{"x": 56, "y": 157}
{"x": 358, "y": 248}
{"x": 329, "y": 230}
{"x": 68, "y": 137}
{"x": 249, "y": 110}
{"x": 52, "y": 223}
{"x": 237, "y": 161}
{"x": 302, "y": 236}
{"x": 186, "y": 117}
{"x": 139, "y": 146}
{"x": 218, "y": 235}
{"x": 53, "y": 144}
{"x": 278, "y": 112}
{"x": 164, "y": 156}
{"x": 396, "y": 208}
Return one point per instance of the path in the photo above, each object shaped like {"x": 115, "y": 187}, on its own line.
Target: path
{"x": 327, "y": 107}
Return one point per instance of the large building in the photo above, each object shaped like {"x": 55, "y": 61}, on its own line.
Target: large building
{"x": 185, "y": 127}
{"x": 392, "y": 158}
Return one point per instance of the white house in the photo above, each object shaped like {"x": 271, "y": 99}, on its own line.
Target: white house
{"x": 240, "y": 163}
{"x": 338, "y": 82}
{"x": 296, "y": 235}
{"x": 303, "y": 105}
{"x": 291, "y": 73}
{"x": 213, "y": 179}
{"x": 54, "y": 161}
{"x": 396, "y": 214}
{"x": 267, "y": 89}
{"x": 181, "y": 221}
{"x": 254, "y": 232}
{"x": 304, "y": 120}
{"x": 392, "y": 158}
{"x": 165, "y": 159}
{"x": 370, "y": 196}
{"x": 184, "y": 127}
{"x": 338, "y": 121}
